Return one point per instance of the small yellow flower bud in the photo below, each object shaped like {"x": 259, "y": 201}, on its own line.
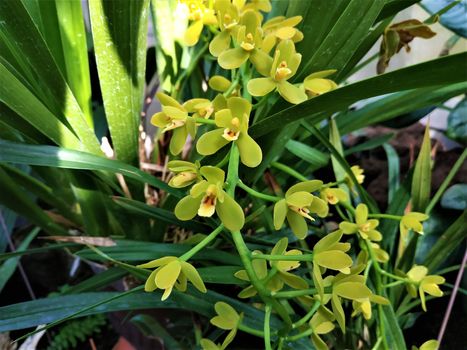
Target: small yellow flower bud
{"x": 248, "y": 44}
{"x": 282, "y": 71}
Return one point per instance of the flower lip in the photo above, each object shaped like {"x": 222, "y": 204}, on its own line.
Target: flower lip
{"x": 230, "y": 135}
{"x": 282, "y": 71}
{"x": 173, "y": 124}
{"x": 305, "y": 212}
{"x": 366, "y": 227}
{"x": 208, "y": 203}
{"x": 184, "y": 177}
{"x": 248, "y": 44}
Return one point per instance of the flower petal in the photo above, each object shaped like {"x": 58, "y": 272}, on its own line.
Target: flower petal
{"x": 210, "y": 142}
{"x": 157, "y": 262}
{"x": 178, "y": 140}
{"x": 348, "y": 227}
{"x": 168, "y": 274}
{"x": 250, "y": 152}
{"x": 307, "y": 186}
{"x": 220, "y": 43}
{"x": 187, "y": 208}
{"x": 233, "y": 58}
{"x": 193, "y": 32}
{"x": 280, "y": 211}
{"x": 260, "y": 86}
{"x": 230, "y": 213}
{"x": 361, "y": 214}
{"x": 262, "y": 61}
{"x": 291, "y": 93}
{"x": 327, "y": 241}
{"x": 193, "y": 276}
{"x": 333, "y": 259}
{"x": 293, "y": 281}
{"x": 297, "y": 224}
{"x": 300, "y": 199}
{"x": 219, "y": 83}
{"x": 150, "y": 284}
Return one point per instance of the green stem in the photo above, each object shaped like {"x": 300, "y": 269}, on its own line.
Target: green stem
{"x": 205, "y": 121}
{"x": 208, "y": 239}
{"x": 232, "y": 86}
{"x": 304, "y": 257}
{"x": 224, "y": 161}
{"x": 288, "y": 170}
{"x": 232, "y": 175}
{"x": 386, "y": 216}
{"x": 446, "y": 182}
{"x": 379, "y": 290}
{"x": 378, "y": 342}
{"x": 260, "y": 103}
{"x": 301, "y": 335}
{"x": 267, "y": 329}
{"x": 448, "y": 269}
{"x": 309, "y": 315}
{"x": 294, "y": 293}
{"x": 249, "y": 330}
{"x": 179, "y": 84}
{"x": 341, "y": 214}
{"x": 393, "y": 284}
{"x": 347, "y": 206}
{"x": 257, "y": 194}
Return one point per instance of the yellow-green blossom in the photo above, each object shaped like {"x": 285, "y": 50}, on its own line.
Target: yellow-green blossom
{"x": 333, "y": 195}
{"x": 364, "y": 226}
{"x": 412, "y": 221}
{"x": 228, "y": 19}
{"x": 321, "y": 323}
{"x": 186, "y": 173}
{"x": 281, "y": 28}
{"x": 428, "y": 345}
{"x": 227, "y": 319}
{"x": 426, "y": 283}
{"x": 171, "y": 272}
{"x": 358, "y": 173}
{"x": 315, "y": 84}
{"x": 297, "y": 205}
{"x": 248, "y": 40}
{"x": 258, "y": 5}
{"x": 174, "y": 117}
{"x": 208, "y": 197}
{"x": 232, "y": 125}
{"x": 284, "y": 66}
{"x": 199, "y": 15}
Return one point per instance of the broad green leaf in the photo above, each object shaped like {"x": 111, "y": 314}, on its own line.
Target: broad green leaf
{"x": 64, "y": 158}
{"x": 160, "y": 214}
{"x": 41, "y": 311}
{"x": 35, "y": 63}
{"x": 97, "y": 281}
{"x": 421, "y": 181}
{"x": 443, "y": 71}
{"x": 9, "y": 266}
{"x": 395, "y": 105}
{"x": 119, "y": 30}
{"x": 127, "y": 250}
{"x": 25, "y": 104}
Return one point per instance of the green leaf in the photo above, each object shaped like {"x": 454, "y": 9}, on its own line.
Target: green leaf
{"x": 27, "y": 106}
{"x": 396, "y": 105}
{"x": 393, "y": 171}
{"x": 9, "y": 266}
{"x": 421, "y": 181}
{"x": 335, "y": 140}
{"x": 97, "y": 281}
{"x": 151, "y": 328}
{"x": 160, "y": 214}
{"x": 127, "y": 250}
{"x": 34, "y": 62}
{"x": 309, "y": 154}
{"x": 64, "y": 158}
{"x": 457, "y": 122}
{"x": 18, "y": 200}
{"x": 443, "y": 71}
{"x": 393, "y": 330}
{"x": 119, "y": 31}
{"x": 370, "y": 144}
{"x": 455, "y": 197}
{"x": 450, "y": 240}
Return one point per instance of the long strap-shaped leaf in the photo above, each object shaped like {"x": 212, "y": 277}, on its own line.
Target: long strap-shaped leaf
{"x": 33, "y": 59}
{"x": 443, "y": 71}
{"x": 65, "y": 158}
{"x": 119, "y": 29}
